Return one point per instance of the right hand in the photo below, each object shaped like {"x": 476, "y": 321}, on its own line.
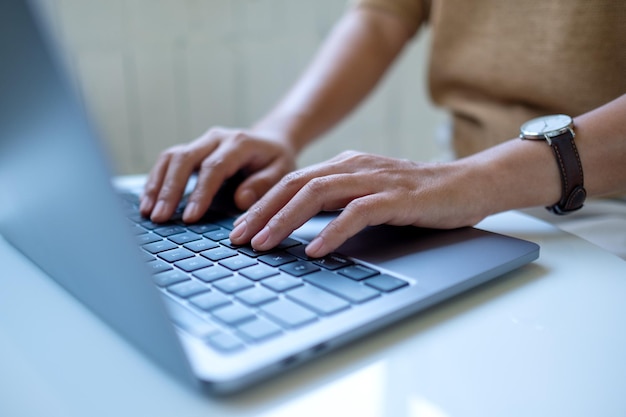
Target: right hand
{"x": 215, "y": 156}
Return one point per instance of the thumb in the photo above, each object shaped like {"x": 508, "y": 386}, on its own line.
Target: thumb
{"x": 256, "y": 185}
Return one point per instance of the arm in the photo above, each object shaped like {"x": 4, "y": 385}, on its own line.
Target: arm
{"x": 347, "y": 68}
{"x": 350, "y": 63}
{"x": 512, "y": 175}
{"x": 530, "y": 168}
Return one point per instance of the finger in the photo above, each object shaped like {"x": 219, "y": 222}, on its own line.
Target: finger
{"x": 182, "y": 164}
{"x": 252, "y": 222}
{"x": 222, "y": 164}
{"x": 278, "y": 195}
{"x": 257, "y": 184}
{"x": 255, "y": 219}
{"x": 325, "y": 193}
{"x": 229, "y": 158}
{"x": 358, "y": 214}
{"x": 153, "y": 185}
{"x": 171, "y": 190}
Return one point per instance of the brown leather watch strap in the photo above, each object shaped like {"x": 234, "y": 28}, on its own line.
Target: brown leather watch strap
{"x": 573, "y": 193}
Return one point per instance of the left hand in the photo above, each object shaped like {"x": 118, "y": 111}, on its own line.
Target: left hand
{"x": 371, "y": 190}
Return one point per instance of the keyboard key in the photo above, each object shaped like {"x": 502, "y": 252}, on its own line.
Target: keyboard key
{"x": 187, "y": 288}
{"x": 202, "y": 228}
{"x": 212, "y": 273}
{"x": 342, "y": 286}
{"x": 298, "y": 251}
{"x": 209, "y": 300}
{"x": 281, "y": 283}
{"x": 288, "y": 314}
{"x": 170, "y": 277}
{"x": 147, "y": 224}
{"x": 201, "y": 245}
{"x": 145, "y": 256}
{"x": 234, "y": 314}
{"x": 318, "y": 300}
{"x": 229, "y": 244}
{"x": 189, "y": 321}
{"x": 183, "y": 238}
{"x": 287, "y": 243}
{"x": 218, "y": 254}
{"x": 333, "y": 261}
{"x": 193, "y": 264}
{"x": 386, "y": 283}
{"x": 217, "y": 235}
{"x": 177, "y": 216}
{"x": 248, "y": 251}
{"x": 133, "y": 215}
{"x": 137, "y": 230}
{"x": 256, "y": 296}
{"x": 358, "y": 272}
{"x": 160, "y": 246}
{"x": 233, "y": 284}
{"x": 237, "y": 262}
{"x": 259, "y": 329}
{"x": 225, "y": 342}
{"x": 277, "y": 259}
{"x": 226, "y": 222}
{"x": 300, "y": 268}
{"x": 147, "y": 238}
{"x": 258, "y": 272}
{"x": 176, "y": 255}
{"x": 157, "y": 266}
{"x": 169, "y": 230}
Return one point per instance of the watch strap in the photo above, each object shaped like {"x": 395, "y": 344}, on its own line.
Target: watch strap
{"x": 573, "y": 193}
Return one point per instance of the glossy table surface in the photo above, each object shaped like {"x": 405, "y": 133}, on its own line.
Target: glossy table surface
{"x": 545, "y": 340}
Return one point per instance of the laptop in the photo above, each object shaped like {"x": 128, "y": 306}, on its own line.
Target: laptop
{"x": 215, "y": 315}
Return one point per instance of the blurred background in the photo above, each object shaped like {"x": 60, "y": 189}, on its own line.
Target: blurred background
{"x": 158, "y": 72}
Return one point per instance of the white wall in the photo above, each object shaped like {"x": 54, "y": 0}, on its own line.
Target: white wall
{"x": 159, "y": 72}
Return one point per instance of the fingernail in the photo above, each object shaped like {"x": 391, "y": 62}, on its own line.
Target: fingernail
{"x": 315, "y": 247}
{"x": 191, "y": 211}
{"x": 160, "y": 210}
{"x": 238, "y": 231}
{"x": 145, "y": 205}
{"x": 261, "y": 238}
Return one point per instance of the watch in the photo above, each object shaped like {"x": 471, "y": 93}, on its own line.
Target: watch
{"x": 558, "y": 131}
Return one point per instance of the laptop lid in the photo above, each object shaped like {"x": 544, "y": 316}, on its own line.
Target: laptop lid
{"x": 59, "y": 208}
{"x": 48, "y": 161}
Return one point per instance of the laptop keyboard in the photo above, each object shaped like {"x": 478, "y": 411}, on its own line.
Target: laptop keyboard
{"x": 233, "y": 296}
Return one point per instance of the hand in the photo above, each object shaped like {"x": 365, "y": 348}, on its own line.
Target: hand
{"x": 371, "y": 190}
{"x": 216, "y": 156}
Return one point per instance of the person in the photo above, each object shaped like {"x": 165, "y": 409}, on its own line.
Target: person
{"x": 493, "y": 65}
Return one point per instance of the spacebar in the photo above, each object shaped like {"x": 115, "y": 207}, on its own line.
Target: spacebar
{"x": 189, "y": 321}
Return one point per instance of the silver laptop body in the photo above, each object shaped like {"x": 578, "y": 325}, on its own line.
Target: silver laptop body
{"x": 58, "y": 207}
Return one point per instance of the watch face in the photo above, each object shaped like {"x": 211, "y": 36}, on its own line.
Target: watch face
{"x": 546, "y": 125}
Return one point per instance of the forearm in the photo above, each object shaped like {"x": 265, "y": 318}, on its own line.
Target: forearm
{"x": 375, "y": 190}
{"x": 524, "y": 173}
{"x": 601, "y": 140}
{"x": 348, "y": 66}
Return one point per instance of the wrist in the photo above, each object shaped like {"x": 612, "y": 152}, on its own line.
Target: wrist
{"x": 515, "y": 174}
{"x": 289, "y": 130}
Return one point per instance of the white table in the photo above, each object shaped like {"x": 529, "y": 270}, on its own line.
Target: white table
{"x": 546, "y": 340}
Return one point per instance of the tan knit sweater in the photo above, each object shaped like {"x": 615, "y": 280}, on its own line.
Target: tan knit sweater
{"x": 497, "y": 63}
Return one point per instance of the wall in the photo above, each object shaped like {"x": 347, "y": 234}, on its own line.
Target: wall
{"x": 159, "y": 72}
